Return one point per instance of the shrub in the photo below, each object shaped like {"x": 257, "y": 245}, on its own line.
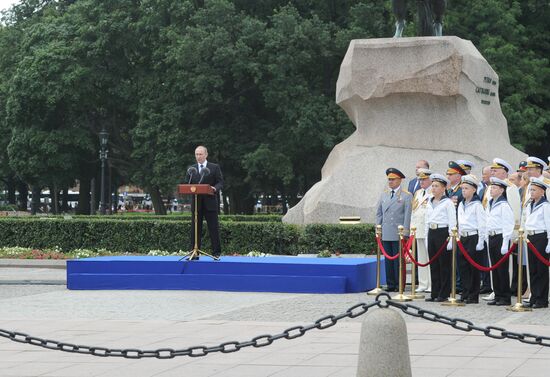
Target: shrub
{"x": 142, "y": 236}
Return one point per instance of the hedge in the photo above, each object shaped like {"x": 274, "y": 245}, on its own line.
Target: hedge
{"x": 141, "y": 236}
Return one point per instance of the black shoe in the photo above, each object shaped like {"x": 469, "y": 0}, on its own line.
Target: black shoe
{"x": 471, "y": 301}
{"x": 494, "y": 302}
{"x": 539, "y": 306}
{"x": 485, "y": 290}
{"x": 440, "y": 299}
{"x": 528, "y": 304}
{"x": 460, "y": 300}
{"x": 504, "y": 303}
{"x": 392, "y": 290}
{"x": 429, "y": 299}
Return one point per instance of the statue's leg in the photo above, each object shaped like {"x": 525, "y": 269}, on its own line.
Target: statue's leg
{"x": 400, "y": 12}
{"x": 438, "y": 7}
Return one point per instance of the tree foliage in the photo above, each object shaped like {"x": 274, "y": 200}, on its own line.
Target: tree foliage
{"x": 252, "y": 80}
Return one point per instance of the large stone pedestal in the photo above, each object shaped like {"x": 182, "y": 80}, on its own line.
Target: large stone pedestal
{"x": 410, "y": 99}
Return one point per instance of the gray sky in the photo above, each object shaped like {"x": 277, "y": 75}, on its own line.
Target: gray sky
{"x": 4, "y": 4}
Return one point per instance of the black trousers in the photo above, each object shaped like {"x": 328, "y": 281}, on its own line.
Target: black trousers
{"x": 440, "y": 269}
{"x": 213, "y": 228}
{"x": 470, "y": 275}
{"x": 392, "y": 266}
{"x": 501, "y": 277}
{"x": 538, "y": 272}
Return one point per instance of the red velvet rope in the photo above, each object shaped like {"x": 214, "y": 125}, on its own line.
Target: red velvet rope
{"x": 537, "y": 254}
{"x": 480, "y": 267}
{"x": 407, "y": 245}
{"x": 443, "y": 247}
{"x": 384, "y": 251}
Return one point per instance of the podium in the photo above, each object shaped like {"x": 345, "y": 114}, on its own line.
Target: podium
{"x": 196, "y": 190}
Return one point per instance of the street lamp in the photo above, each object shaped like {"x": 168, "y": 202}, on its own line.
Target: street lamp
{"x": 103, "y": 152}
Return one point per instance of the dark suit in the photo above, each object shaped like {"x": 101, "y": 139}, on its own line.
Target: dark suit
{"x": 208, "y": 206}
{"x": 414, "y": 185}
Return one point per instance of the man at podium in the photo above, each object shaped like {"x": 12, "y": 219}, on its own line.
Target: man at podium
{"x": 205, "y": 172}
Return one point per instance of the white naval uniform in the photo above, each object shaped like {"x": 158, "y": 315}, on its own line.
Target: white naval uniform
{"x": 420, "y": 204}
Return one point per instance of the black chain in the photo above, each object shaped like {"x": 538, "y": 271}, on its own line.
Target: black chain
{"x": 196, "y": 351}
{"x": 465, "y": 325}
{"x": 383, "y": 300}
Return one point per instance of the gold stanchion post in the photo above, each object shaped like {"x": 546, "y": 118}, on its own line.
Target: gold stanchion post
{"x": 519, "y": 307}
{"x": 401, "y": 296}
{"x": 452, "y": 301}
{"x": 414, "y": 295}
{"x": 378, "y": 289}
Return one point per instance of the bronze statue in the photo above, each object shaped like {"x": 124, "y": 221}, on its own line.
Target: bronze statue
{"x": 430, "y": 17}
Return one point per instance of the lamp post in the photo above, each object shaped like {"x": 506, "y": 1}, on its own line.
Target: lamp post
{"x": 103, "y": 152}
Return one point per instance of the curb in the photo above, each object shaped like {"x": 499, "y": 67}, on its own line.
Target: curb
{"x": 33, "y": 263}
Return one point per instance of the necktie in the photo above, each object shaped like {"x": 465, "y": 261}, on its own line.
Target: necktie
{"x": 200, "y": 168}
{"x": 392, "y": 192}
{"x": 423, "y": 193}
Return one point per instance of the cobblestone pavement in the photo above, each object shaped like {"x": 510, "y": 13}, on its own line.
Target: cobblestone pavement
{"x": 178, "y": 319}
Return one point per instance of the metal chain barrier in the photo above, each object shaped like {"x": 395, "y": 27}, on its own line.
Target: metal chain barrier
{"x": 483, "y": 268}
{"x": 196, "y": 351}
{"x": 465, "y": 325}
{"x": 383, "y": 300}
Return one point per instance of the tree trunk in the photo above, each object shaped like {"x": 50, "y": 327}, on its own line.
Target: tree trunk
{"x": 54, "y": 197}
{"x": 10, "y": 183}
{"x": 93, "y": 199}
{"x": 35, "y": 203}
{"x": 23, "y": 189}
{"x": 240, "y": 204}
{"x": 83, "y": 207}
{"x": 65, "y": 200}
{"x": 225, "y": 204}
{"x": 156, "y": 198}
{"x": 115, "y": 199}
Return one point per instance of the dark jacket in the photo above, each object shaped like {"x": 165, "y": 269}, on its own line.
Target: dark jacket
{"x": 213, "y": 178}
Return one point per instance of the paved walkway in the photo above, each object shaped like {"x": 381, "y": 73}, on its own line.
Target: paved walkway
{"x": 178, "y": 319}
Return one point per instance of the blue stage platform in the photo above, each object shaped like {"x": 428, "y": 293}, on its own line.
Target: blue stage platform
{"x": 245, "y": 274}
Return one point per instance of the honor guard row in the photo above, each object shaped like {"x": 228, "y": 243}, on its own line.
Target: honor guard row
{"x": 488, "y": 214}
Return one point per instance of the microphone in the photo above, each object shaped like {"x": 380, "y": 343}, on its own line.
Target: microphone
{"x": 204, "y": 171}
{"x": 190, "y": 172}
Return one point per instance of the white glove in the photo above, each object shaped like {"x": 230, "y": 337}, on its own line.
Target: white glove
{"x": 450, "y": 244}
{"x": 505, "y": 246}
{"x": 480, "y": 245}
{"x": 548, "y": 247}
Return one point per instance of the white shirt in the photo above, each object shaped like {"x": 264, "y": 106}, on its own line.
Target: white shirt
{"x": 472, "y": 217}
{"x": 443, "y": 214}
{"x": 538, "y": 217}
{"x": 203, "y": 165}
{"x": 500, "y": 218}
